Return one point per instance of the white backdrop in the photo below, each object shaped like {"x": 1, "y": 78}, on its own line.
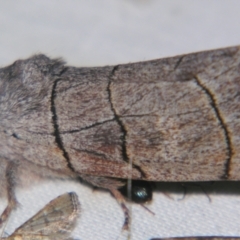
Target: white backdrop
{"x": 96, "y": 33}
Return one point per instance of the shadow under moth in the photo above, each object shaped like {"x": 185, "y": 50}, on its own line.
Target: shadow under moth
{"x": 171, "y": 119}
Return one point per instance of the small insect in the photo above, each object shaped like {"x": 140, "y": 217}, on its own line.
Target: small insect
{"x": 139, "y": 192}
{"x": 199, "y": 238}
{"x": 53, "y": 222}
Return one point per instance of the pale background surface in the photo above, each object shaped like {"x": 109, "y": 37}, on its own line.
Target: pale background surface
{"x": 90, "y": 33}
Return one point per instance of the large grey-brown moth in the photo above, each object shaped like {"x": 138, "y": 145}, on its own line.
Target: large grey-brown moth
{"x": 171, "y": 119}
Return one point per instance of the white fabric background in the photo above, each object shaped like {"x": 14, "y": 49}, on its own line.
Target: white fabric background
{"x": 95, "y": 33}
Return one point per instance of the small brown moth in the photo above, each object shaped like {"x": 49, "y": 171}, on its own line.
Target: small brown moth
{"x": 54, "y": 222}
{"x": 198, "y": 238}
{"x": 171, "y": 119}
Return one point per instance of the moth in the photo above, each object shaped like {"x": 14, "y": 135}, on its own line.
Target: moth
{"x": 54, "y": 222}
{"x": 171, "y": 119}
{"x": 198, "y": 238}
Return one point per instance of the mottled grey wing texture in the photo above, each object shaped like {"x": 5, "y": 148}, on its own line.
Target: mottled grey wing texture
{"x": 174, "y": 119}
{"x": 55, "y": 221}
{"x": 171, "y": 119}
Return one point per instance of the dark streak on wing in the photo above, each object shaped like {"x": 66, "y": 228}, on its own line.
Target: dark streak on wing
{"x": 88, "y": 127}
{"x": 122, "y": 127}
{"x": 56, "y": 127}
{"x": 223, "y": 125}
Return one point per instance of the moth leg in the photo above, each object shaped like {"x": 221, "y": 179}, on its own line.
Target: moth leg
{"x": 119, "y": 197}
{"x": 111, "y": 184}
{"x": 10, "y": 187}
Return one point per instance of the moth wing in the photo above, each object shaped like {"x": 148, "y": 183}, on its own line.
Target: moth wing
{"x": 55, "y": 221}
